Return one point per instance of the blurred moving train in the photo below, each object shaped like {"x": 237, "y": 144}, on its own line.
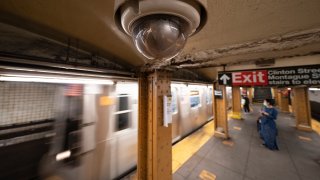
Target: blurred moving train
{"x": 83, "y": 131}
{"x": 86, "y": 130}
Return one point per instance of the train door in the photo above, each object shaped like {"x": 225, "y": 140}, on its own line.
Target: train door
{"x": 73, "y": 119}
{"x": 203, "y": 115}
{"x": 71, "y": 154}
{"x": 195, "y": 99}
{"x": 120, "y": 144}
{"x": 180, "y": 118}
{"x": 209, "y": 94}
{"x": 175, "y": 117}
{"x": 64, "y": 157}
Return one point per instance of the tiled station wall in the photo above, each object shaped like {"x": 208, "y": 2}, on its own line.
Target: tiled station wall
{"x": 22, "y": 102}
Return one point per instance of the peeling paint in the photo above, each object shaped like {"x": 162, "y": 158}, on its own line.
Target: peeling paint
{"x": 20, "y": 43}
{"x": 210, "y": 57}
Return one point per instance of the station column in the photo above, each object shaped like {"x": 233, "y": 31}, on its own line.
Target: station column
{"x": 154, "y": 139}
{"x": 302, "y": 112}
{"x": 283, "y": 101}
{"x": 292, "y": 102}
{"x": 250, "y": 94}
{"x": 236, "y": 103}
{"x": 275, "y": 95}
{"x": 220, "y": 112}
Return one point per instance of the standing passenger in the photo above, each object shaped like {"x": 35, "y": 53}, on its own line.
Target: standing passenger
{"x": 268, "y": 125}
{"x": 246, "y": 105}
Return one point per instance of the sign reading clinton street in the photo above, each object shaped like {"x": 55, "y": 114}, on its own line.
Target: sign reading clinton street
{"x": 289, "y": 76}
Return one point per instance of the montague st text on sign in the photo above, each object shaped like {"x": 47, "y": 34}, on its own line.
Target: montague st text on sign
{"x": 289, "y": 76}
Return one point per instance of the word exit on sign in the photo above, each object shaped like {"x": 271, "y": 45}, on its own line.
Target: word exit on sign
{"x": 289, "y": 76}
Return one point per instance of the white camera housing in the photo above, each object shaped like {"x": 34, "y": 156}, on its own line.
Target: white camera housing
{"x": 160, "y": 28}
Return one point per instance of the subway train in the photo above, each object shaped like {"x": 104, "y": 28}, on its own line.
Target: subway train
{"x": 83, "y": 131}
{"x": 87, "y": 130}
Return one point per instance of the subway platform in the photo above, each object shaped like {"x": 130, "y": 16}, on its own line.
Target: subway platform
{"x": 243, "y": 156}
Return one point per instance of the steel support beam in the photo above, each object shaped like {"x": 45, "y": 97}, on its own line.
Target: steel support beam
{"x": 220, "y": 113}
{"x": 283, "y": 101}
{"x": 250, "y": 94}
{"x": 236, "y": 103}
{"x": 302, "y": 112}
{"x": 154, "y": 139}
{"x": 275, "y": 95}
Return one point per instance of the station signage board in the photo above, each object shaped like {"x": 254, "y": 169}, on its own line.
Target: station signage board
{"x": 218, "y": 94}
{"x": 288, "y": 76}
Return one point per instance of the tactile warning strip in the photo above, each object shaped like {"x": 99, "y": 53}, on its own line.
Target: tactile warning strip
{"x": 183, "y": 150}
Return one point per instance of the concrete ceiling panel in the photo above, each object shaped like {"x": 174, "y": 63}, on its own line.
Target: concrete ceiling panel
{"x": 229, "y": 23}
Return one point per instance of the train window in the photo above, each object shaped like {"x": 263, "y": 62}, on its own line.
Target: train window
{"x": 123, "y": 113}
{"x": 123, "y": 121}
{"x": 174, "y": 107}
{"x": 194, "y": 98}
{"x": 209, "y": 96}
{"x": 123, "y": 103}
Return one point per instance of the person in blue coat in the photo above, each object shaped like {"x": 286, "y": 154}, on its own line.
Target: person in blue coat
{"x": 268, "y": 129}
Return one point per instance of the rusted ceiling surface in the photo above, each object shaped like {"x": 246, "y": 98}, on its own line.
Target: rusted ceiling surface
{"x": 18, "y": 43}
{"x": 88, "y": 22}
{"x": 287, "y": 45}
{"x": 237, "y": 32}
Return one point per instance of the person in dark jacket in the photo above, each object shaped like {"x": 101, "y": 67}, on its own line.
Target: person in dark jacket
{"x": 268, "y": 126}
{"x": 246, "y": 105}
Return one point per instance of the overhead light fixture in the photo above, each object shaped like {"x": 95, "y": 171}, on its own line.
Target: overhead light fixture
{"x": 160, "y": 28}
{"x": 63, "y": 155}
{"x": 52, "y": 79}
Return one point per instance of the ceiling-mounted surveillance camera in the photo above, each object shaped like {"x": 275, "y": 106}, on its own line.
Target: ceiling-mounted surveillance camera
{"x": 160, "y": 28}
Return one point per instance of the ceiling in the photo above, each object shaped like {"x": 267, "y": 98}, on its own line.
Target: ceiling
{"x": 237, "y": 32}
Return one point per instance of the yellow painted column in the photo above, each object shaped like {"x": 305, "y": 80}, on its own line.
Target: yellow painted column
{"x": 236, "y": 103}
{"x": 283, "y": 102}
{"x": 154, "y": 139}
{"x": 250, "y": 94}
{"x": 292, "y": 102}
{"x": 302, "y": 112}
{"x": 142, "y": 167}
{"x": 275, "y": 95}
{"x": 220, "y": 113}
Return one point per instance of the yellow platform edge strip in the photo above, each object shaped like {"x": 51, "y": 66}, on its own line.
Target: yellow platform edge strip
{"x": 186, "y": 148}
